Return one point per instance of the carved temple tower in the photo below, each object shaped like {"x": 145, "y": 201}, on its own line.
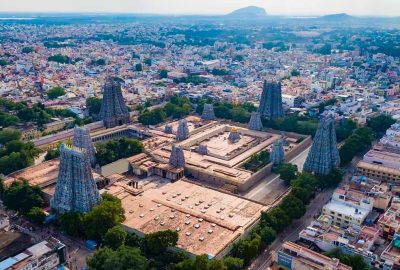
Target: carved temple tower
{"x": 76, "y": 190}
{"x": 271, "y": 100}
{"x": 113, "y": 110}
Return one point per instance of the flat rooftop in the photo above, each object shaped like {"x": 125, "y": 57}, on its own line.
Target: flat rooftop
{"x": 12, "y": 243}
{"x": 207, "y": 220}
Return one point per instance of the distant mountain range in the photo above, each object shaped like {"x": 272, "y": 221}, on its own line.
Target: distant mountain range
{"x": 251, "y": 12}
{"x": 337, "y": 17}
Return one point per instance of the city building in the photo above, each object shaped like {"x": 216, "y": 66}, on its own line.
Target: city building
{"x": 49, "y": 255}
{"x": 348, "y": 207}
{"x": 296, "y": 257}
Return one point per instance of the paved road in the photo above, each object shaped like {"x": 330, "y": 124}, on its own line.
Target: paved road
{"x": 291, "y": 234}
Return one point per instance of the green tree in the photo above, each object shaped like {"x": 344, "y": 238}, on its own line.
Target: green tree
{"x": 233, "y": 263}
{"x": 240, "y": 115}
{"x": 157, "y": 242}
{"x": 102, "y": 218}
{"x": 267, "y": 235}
{"x": 138, "y": 67}
{"x": 28, "y": 49}
{"x": 288, "y": 172}
{"x": 36, "y": 215}
{"x": 93, "y": 104}
{"x": 113, "y": 150}
{"x": 3, "y": 63}
{"x": 115, "y": 237}
{"x": 8, "y": 135}
{"x": 147, "y": 61}
{"x": 20, "y": 196}
{"x": 163, "y": 74}
{"x": 295, "y": 72}
{"x": 71, "y": 223}
{"x": 380, "y": 123}
{"x": 52, "y": 154}
{"x": 55, "y": 92}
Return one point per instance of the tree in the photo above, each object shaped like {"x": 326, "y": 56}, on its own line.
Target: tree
{"x": 3, "y": 63}
{"x": 267, "y": 235}
{"x": 345, "y": 129}
{"x": 71, "y": 223}
{"x": 295, "y": 72}
{"x": 55, "y": 92}
{"x": 240, "y": 115}
{"x": 8, "y": 135}
{"x": 102, "y": 218}
{"x": 115, "y": 237}
{"x": 113, "y": 150}
{"x": 293, "y": 207}
{"x": 288, "y": 172}
{"x": 36, "y": 215}
{"x": 59, "y": 58}
{"x": 163, "y": 74}
{"x": 380, "y": 123}
{"x": 139, "y": 67}
{"x": 20, "y": 196}
{"x": 93, "y": 104}
{"x": 123, "y": 258}
{"x": 247, "y": 249}
{"x": 233, "y": 263}
{"x": 157, "y": 242}
{"x": 52, "y": 154}
{"x": 147, "y": 61}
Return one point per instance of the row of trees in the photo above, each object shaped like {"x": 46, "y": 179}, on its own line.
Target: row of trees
{"x": 22, "y": 197}
{"x": 113, "y": 150}
{"x": 14, "y": 153}
{"x": 16, "y": 112}
{"x": 121, "y": 250}
{"x": 176, "y": 108}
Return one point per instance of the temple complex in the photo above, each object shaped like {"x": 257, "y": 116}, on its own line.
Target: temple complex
{"x": 113, "y": 109}
{"x": 324, "y": 155}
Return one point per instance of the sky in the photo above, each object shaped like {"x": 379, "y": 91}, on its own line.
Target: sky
{"x": 273, "y": 7}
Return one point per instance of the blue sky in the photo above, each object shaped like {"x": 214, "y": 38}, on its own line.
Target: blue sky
{"x": 275, "y": 7}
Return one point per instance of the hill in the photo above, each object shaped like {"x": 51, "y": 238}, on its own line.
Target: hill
{"x": 250, "y": 12}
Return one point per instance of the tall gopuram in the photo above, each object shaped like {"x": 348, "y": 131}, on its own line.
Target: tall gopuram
{"x": 255, "y": 122}
{"x": 82, "y": 139}
{"x": 208, "y": 112}
{"x": 113, "y": 110}
{"x": 271, "y": 100}
{"x": 182, "y": 133}
{"x": 177, "y": 157}
{"x": 323, "y": 155}
{"x": 76, "y": 189}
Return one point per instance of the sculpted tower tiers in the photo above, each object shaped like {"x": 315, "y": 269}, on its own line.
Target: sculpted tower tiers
{"x": 234, "y": 135}
{"x": 182, "y": 133}
{"x": 76, "y": 189}
{"x": 271, "y": 100}
{"x": 113, "y": 109}
{"x": 177, "y": 158}
{"x": 278, "y": 153}
{"x": 208, "y": 112}
{"x": 82, "y": 139}
{"x": 255, "y": 122}
{"x": 323, "y": 155}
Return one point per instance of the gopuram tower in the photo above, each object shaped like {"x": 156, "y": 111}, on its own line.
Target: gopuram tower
{"x": 271, "y": 100}
{"x": 76, "y": 189}
{"x": 82, "y": 139}
{"x": 113, "y": 110}
{"x": 323, "y": 155}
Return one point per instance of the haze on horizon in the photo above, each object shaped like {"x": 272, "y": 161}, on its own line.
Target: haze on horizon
{"x": 207, "y": 7}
